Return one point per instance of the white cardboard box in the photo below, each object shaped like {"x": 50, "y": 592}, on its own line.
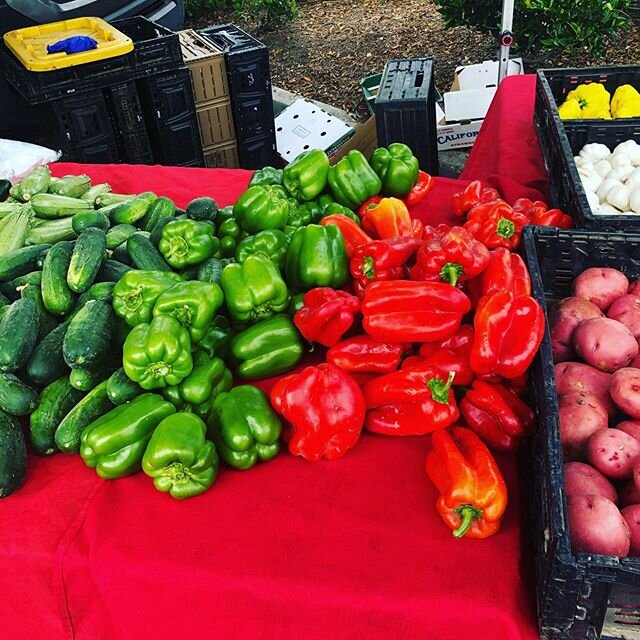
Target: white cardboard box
{"x": 466, "y": 105}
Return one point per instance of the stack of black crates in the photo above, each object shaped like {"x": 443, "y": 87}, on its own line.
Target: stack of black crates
{"x": 136, "y": 108}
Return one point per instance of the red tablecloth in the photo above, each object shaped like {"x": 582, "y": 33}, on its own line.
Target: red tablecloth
{"x": 290, "y": 549}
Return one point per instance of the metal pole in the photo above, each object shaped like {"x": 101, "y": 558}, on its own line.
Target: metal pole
{"x": 506, "y": 39}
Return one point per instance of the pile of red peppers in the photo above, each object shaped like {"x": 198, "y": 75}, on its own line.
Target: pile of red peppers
{"x": 437, "y": 329}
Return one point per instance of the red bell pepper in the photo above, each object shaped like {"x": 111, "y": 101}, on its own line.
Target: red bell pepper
{"x": 474, "y": 193}
{"x": 352, "y": 233}
{"x": 508, "y": 331}
{"x": 473, "y": 493}
{"x": 327, "y": 315}
{"x": 368, "y": 204}
{"x": 496, "y": 224}
{"x": 383, "y": 260}
{"x": 410, "y": 402}
{"x": 528, "y": 207}
{"x": 444, "y": 362}
{"x": 389, "y": 219}
{"x": 408, "y": 311}
{"x": 460, "y": 342}
{"x": 420, "y": 190}
{"x": 325, "y": 409}
{"x": 453, "y": 256}
{"x": 363, "y": 354}
{"x": 552, "y": 218}
{"x": 497, "y": 415}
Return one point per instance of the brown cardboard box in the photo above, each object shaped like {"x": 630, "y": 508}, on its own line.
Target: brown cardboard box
{"x": 216, "y": 122}
{"x": 207, "y": 66}
{"x": 365, "y": 139}
{"x": 222, "y": 155}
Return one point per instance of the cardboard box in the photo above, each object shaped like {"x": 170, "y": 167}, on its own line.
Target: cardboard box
{"x": 466, "y": 105}
{"x": 365, "y": 139}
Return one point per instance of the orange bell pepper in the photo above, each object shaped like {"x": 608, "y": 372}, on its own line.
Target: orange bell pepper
{"x": 352, "y": 233}
{"x": 390, "y": 219}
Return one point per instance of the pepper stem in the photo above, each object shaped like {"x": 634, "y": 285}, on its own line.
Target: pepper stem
{"x": 178, "y": 247}
{"x": 505, "y": 228}
{"x": 158, "y": 369}
{"x": 468, "y": 513}
{"x": 368, "y": 268}
{"x": 182, "y": 315}
{"x": 440, "y": 388}
{"x": 451, "y": 273}
{"x": 133, "y": 299}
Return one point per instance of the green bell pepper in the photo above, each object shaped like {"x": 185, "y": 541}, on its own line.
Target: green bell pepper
{"x": 289, "y": 232}
{"x": 266, "y": 349}
{"x": 244, "y": 427}
{"x": 306, "y": 176}
{"x": 397, "y": 168}
{"x": 352, "y": 180}
{"x": 186, "y": 242}
{"x": 270, "y": 242}
{"x": 299, "y": 214}
{"x": 254, "y": 289}
{"x": 193, "y": 304}
{"x": 295, "y": 304}
{"x": 157, "y": 354}
{"x": 336, "y": 207}
{"x": 135, "y": 294}
{"x": 225, "y": 213}
{"x": 317, "y": 258}
{"x": 217, "y": 340}
{"x": 260, "y": 208}
{"x": 266, "y": 176}
{"x": 114, "y": 444}
{"x": 179, "y": 458}
{"x": 230, "y": 233}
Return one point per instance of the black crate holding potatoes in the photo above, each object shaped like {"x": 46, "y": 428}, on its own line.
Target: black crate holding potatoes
{"x": 405, "y": 109}
{"x": 579, "y": 596}
{"x": 561, "y": 140}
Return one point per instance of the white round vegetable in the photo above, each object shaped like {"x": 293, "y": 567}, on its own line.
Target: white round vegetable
{"x": 603, "y": 168}
{"x": 619, "y": 197}
{"x": 594, "y": 152}
{"x": 607, "y": 209}
{"x": 607, "y": 184}
{"x": 591, "y": 182}
{"x": 634, "y": 200}
{"x": 619, "y": 160}
{"x": 631, "y": 148}
{"x": 593, "y": 200}
{"x": 620, "y": 173}
{"x": 633, "y": 180}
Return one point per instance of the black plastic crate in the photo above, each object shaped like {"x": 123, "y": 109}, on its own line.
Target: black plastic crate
{"x": 255, "y": 153}
{"x": 560, "y": 142}
{"x": 176, "y": 142}
{"x": 128, "y": 121}
{"x": 405, "y": 109}
{"x": 584, "y": 595}
{"x": 167, "y": 96}
{"x": 251, "y": 116}
{"x": 156, "y": 49}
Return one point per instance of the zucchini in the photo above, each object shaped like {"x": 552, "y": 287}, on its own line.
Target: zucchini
{"x": 202, "y": 209}
{"x": 36, "y": 182}
{"x": 97, "y": 190}
{"x": 94, "y": 405}
{"x": 13, "y": 455}
{"x": 120, "y": 388}
{"x": 52, "y": 206}
{"x": 71, "y": 186}
{"x": 55, "y": 402}
{"x": 87, "y": 256}
{"x": 112, "y": 271}
{"x": 5, "y": 187}
{"x": 16, "y": 398}
{"x": 16, "y": 193}
{"x": 21, "y": 261}
{"x": 18, "y": 334}
{"x": 12, "y": 288}
{"x": 144, "y": 255}
{"x": 161, "y": 208}
{"x": 50, "y": 231}
{"x": 47, "y": 322}
{"x": 119, "y": 235}
{"x": 88, "y": 337}
{"x": 85, "y": 219}
{"x": 98, "y": 291}
{"x": 86, "y": 379}
{"x": 132, "y": 210}
{"x": 56, "y": 293}
{"x": 47, "y": 362}
{"x": 108, "y": 199}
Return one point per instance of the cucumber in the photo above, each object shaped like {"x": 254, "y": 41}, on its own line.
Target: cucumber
{"x": 88, "y": 337}
{"x": 18, "y": 334}
{"x": 56, "y": 293}
{"x": 47, "y": 321}
{"x": 202, "y": 209}
{"x": 71, "y": 186}
{"x": 94, "y": 405}
{"x": 144, "y": 255}
{"x": 86, "y": 379}
{"x": 16, "y": 398}
{"x": 86, "y": 259}
{"x": 21, "y": 261}
{"x": 119, "y": 234}
{"x": 47, "y": 362}
{"x": 95, "y": 191}
{"x": 12, "y": 288}
{"x": 85, "y": 219}
{"x": 111, "y": 271}
{"x": 121, "y": 254}
{"x": 55, "y": 402}
{"x": 5, "y": 187}
{"x": 109, "y": 199}
{"x": 161, "y": 208}
{"x": 52, "y": 206}
{"x": 98, "y": 291}
{"x": 156, "y": 233}
{"x": 211, "y": 270}
{"x": 13, "y": 455}
{"x": 50, "y": 231}
{"x": 132, "y": 210}
{"x": 120, "y": 388}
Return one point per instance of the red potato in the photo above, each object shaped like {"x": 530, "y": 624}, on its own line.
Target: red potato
{"x": 577, "y": 376}
{"x": 635, "y": 363}
{"x": 597, "y": 526}
{"x": 626, "y": 309}
{"x": 628, "y": 493}
{"x": 612, "y": 452}
{"x": 582, "y": 479}
{"x": 563, "y": 320}
{"x": 580, "y": 415}
{"x": 604, "y": 343}
{"x": 625, "y": 391}
{"x": 632, "y": 427}
{"x": 631, "y": 516}
{"x": 601, "y": 285}
{"x": 634, "y": 288}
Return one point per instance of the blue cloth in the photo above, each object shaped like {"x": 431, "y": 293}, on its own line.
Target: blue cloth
{"x": 74, "y": 44}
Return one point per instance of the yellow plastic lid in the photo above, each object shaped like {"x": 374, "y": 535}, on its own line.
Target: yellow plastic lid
{"x": 29, "y": 44}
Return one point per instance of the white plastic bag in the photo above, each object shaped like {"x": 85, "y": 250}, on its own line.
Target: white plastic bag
{"x": 17, "y": 159}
